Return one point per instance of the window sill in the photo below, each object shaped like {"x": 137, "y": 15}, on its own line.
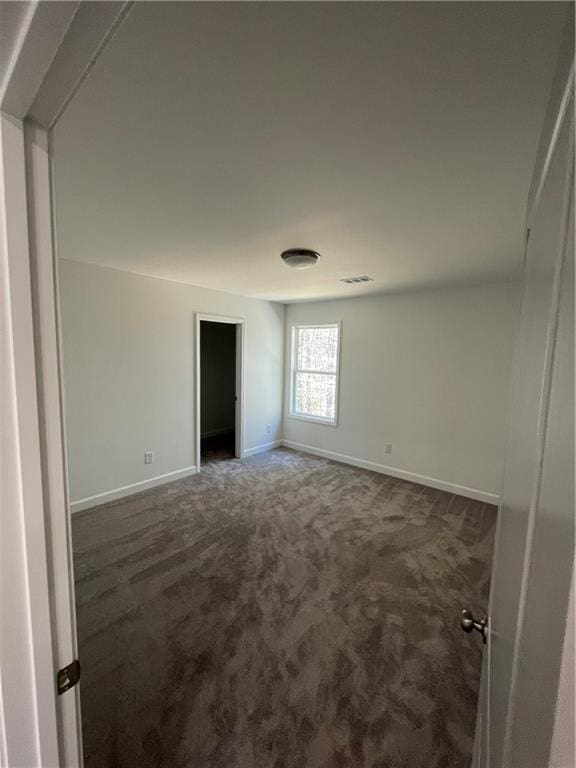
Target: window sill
{"x": 313, "y": 419}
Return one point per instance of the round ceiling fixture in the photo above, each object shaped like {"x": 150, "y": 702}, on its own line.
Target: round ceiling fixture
{"x": 300, "y": 258}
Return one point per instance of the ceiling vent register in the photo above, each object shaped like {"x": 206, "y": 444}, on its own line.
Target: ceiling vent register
{"x": 354, "y": 280}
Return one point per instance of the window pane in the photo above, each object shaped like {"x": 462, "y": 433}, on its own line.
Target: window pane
{"x": 315, "y": 395}
{"x": 317, "y": 349}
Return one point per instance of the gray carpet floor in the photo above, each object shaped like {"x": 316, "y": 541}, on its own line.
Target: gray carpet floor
{"x": 283, "y": 611}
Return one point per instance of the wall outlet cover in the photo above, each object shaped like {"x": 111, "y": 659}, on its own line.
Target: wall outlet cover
{"x": 148, "y": 457}
{"x": 268, "y": 429}
{"x": 387, "y": 447}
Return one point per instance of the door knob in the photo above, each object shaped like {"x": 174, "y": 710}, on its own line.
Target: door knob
{"x": 469, "y": 623}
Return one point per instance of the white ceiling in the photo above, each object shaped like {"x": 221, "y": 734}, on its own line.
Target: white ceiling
{"x": 397, "y": 139}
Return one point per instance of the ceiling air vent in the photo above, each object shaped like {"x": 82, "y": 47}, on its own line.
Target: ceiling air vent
{"x": 360, "y": 279}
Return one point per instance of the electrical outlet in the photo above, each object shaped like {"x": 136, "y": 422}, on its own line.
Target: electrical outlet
{"x": 387, "y": 447}
{"x": 268, "y": 429}
{"x": 148, "y": 457}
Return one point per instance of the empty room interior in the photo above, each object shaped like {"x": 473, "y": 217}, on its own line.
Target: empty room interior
{"x": 304, "y": 330}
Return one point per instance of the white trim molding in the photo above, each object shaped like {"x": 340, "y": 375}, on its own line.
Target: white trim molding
{"x": 129, "y": 490}
{"x": 27, "y": 688}
{"x": 44, "y": 283}
{"x": 401, "y": 474}
{"x": 262, "y": 448}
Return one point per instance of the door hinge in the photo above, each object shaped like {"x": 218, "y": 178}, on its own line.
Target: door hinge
{"x": 67, "y": 677}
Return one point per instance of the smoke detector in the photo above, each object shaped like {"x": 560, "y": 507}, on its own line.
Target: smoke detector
{"x": 299, "y": 258}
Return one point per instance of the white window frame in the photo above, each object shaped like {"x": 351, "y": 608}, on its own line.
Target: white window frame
{"x": 294, "y": 370}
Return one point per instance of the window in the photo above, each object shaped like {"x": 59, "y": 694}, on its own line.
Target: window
{"x": 315, "y": 356}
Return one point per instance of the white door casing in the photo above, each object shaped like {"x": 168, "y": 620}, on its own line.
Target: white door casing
{"x": 240, "y": 324}
{"x": 51, "y": 50}
{"x": 26, "y": 653}
{"x": 44, "y": 268}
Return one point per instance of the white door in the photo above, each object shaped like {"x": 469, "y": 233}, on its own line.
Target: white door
{"x": 534, "y": 548}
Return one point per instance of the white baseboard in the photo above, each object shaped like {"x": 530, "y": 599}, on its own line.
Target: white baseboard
{"x": 432, "y": 482}
{"x": 261, "y": 448}
{"x": 128, "y": 490}
{"x": 442, "y": 485}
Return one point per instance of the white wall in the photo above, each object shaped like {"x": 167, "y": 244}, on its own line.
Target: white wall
{"x": 427, "y": 371}
{"x": 128, "y": 344}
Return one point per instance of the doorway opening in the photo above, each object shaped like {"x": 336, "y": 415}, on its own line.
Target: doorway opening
{"x": 219, "y": 368}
